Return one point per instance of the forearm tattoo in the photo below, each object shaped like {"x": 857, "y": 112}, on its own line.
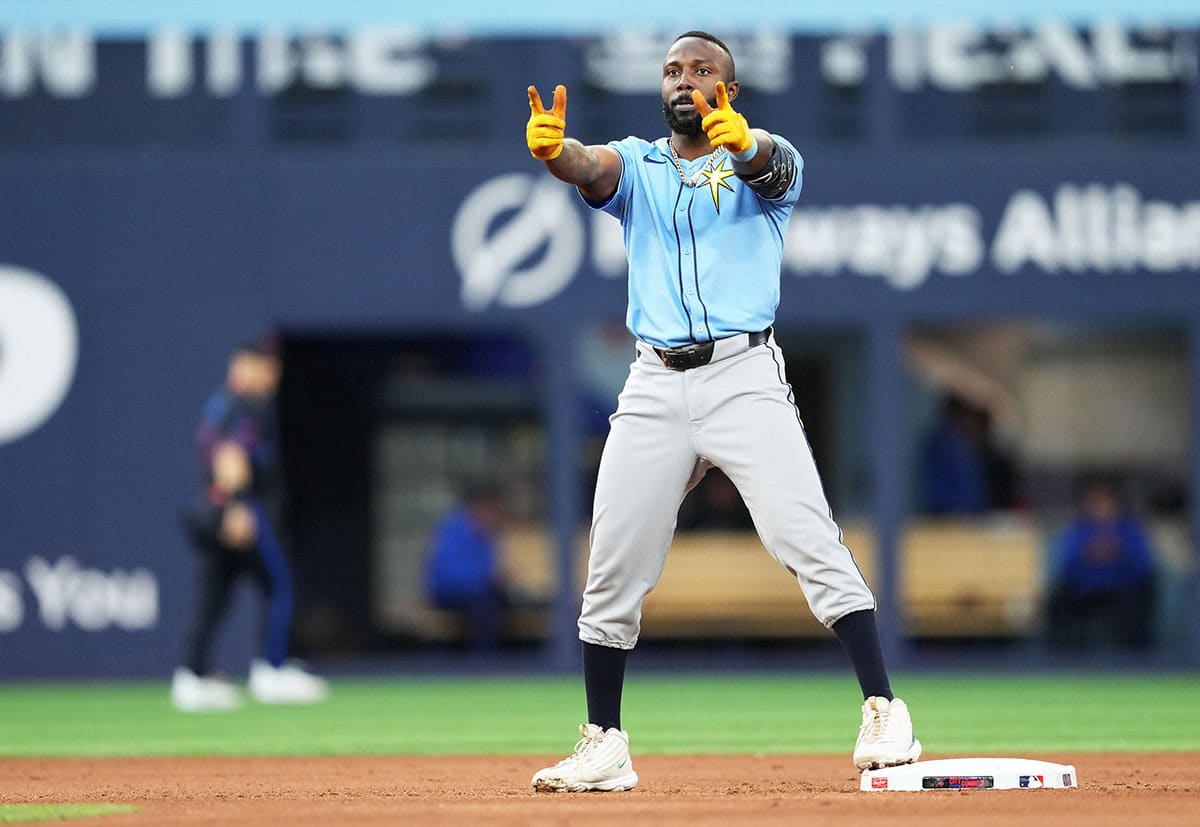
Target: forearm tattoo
{"x": 773, "y": 180}
{"x": 576, "y": 164}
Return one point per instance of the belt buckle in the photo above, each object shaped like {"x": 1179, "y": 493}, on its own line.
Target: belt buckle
{"x": 687, "y": 357}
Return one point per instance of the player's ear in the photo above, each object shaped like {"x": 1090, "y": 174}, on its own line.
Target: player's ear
{"x": 731, "y": 89}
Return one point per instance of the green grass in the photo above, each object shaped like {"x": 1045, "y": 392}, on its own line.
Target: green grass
{"x": 25, "y": 813}
{"x": 800, "y": 713}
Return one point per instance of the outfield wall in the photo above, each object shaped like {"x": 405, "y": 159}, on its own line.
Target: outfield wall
{"x": 162, "y": 197}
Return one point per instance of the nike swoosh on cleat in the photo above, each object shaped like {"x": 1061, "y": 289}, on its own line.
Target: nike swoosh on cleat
{"x": 622, "y": 764}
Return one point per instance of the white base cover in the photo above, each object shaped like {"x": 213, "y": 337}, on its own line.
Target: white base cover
{"x": 971, "y": 774}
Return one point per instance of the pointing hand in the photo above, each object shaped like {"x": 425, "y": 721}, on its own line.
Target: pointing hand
{"x": 725, "y": 127}
{"x": 544, "y": 131}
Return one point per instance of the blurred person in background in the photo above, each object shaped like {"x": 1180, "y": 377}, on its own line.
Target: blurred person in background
{"x": 464, "y": 571}
{"x": 1102, "y": 585}
{"x": 234, "y": 530}
{"x": 964, "y": 469}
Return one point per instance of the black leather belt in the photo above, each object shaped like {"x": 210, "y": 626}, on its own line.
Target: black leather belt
{"x": 698, "y": 355}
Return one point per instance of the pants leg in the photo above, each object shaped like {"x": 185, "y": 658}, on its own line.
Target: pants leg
{"x": 752, "y": 431}
{"x": 1139, "y": 607}
{"x": 218, "y": 573}
{"x": 1065, "y": 624}
{"x": 645, "y": 470}
{"x": 277, "y": 587}
{"x": 484, "y": 612}
{"x": 1125, "y": 616}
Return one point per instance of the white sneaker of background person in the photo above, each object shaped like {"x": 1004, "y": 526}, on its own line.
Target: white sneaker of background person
{"x": 195, "y": 693}
{"x": 287, "y": 684}
{"x": 600, "y": 763}
{"x": 886, "y": 737}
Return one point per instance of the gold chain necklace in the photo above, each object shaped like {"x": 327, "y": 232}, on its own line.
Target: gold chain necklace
{"x": 695, "y": 179}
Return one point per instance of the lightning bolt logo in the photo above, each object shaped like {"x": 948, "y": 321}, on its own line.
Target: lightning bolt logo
{"x": 716, "y": 181}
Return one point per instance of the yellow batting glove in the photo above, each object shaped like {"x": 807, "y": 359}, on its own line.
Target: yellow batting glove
{"x": 544, "y": 132}
{"x": 725, "y": 128}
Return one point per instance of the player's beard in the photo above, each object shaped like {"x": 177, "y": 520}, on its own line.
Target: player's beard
{"x": 687, "y": 127}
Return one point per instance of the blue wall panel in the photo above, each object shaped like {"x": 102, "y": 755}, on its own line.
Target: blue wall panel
{"x": 168, "y": 251}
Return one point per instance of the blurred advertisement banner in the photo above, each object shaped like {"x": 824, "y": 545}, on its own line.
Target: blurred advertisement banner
{"x": 397, "y": 60}
{"x": 39, "y": 346}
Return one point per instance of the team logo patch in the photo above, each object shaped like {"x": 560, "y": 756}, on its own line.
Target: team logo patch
{"x": 715, "y": 181}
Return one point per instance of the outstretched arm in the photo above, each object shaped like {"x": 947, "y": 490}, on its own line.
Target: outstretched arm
{"x": 749, "y": 148}
{"x": 594, "y": 170}
{"x": 757, "y": 159}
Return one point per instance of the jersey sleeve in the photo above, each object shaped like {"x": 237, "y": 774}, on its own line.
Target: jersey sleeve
{"x": 615, "y": 205}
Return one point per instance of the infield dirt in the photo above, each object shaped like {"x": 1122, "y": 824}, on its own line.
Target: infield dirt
{"x": 1117, "y": 789}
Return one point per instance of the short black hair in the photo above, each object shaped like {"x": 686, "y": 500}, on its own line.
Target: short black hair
{"x": 716, "y": 41}
{"x": 473, "y": 491}
{"x": 1099, "y": 479}
{"x": 265, "y": 344}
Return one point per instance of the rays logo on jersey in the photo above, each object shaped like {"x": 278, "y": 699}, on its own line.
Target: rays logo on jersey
{"x": 716, "y": 180}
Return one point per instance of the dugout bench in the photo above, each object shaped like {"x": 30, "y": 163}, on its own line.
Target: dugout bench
{"x": 957, "y": 579}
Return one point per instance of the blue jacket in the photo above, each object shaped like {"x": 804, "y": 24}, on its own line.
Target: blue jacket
{"x": 1096, "y": 556}
{"x": 462, "y": 559}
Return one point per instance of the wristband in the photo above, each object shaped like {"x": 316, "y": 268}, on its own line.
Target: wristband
{"x": 748, "y": 155}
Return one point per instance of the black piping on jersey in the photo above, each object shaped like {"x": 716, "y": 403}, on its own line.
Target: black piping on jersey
{"x": 820, "y": 482}
{"x": 696, "y": 269}
{"x": 679, "y": 256}
{"x": 695, "y": 263}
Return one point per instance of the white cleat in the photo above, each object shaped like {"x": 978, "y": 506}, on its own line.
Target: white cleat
{"x": 197, "y": 693}
{"x": 600, "y": 763}
{"x": 886, "y": 738}
{"x": 288, "y": 684}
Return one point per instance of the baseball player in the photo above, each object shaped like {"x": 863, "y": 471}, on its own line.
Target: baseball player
{"x": 703, "y": 213}
{"x": 232, "y": 529}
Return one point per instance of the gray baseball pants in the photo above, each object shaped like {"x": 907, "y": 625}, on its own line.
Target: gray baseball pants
{"x": 670, "y": 427}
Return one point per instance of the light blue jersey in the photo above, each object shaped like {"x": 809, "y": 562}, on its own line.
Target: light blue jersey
{"x": 704, "y": 261}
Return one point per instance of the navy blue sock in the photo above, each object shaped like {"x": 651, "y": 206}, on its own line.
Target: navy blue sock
{"x": 603, "y": 679}
{"x": 860, "y": 638}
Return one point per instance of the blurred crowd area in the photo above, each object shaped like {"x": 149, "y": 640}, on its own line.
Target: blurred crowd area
{"x": 1008, "y": 426}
